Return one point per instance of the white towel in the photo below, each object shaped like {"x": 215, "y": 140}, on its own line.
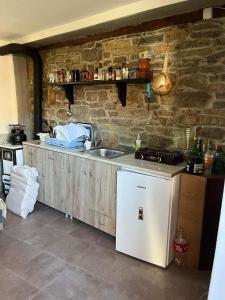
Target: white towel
{"x": 3, "y": 207}
{"x": 70, "y": 132}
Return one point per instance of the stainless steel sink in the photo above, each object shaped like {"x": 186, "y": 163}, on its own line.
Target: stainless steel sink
{"x": 106, "y": 152}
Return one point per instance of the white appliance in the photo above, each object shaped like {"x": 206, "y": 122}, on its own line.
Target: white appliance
{"x": 146, "y": 216}
{"x": 217, "y": 286}
{"x": 11, "y": 155}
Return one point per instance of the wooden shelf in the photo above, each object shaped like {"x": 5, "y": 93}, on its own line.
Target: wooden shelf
{"x": 121, "y": 87}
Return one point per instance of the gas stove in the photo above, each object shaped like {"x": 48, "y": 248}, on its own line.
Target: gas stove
{"x": 160, "y": 156}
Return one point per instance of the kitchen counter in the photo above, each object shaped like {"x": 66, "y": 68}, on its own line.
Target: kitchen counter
{"x": 126, "y": 161}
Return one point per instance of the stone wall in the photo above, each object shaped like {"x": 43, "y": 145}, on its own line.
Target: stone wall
{"x": 197, "y": 101}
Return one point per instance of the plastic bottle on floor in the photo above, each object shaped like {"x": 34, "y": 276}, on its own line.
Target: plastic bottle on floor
{"x": 180, "y": 247}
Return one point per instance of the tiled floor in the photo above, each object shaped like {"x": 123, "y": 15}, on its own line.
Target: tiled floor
{"x": 49, "y": 257}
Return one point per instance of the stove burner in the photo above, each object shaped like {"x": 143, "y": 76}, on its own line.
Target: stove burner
{"x": 160, "y": 156}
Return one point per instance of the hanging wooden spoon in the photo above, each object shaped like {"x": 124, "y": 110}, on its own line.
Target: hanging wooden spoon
{"x": 161, "y": 84}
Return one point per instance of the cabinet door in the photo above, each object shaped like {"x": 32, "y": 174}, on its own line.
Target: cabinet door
{"x": 143, "y": 209}
{"x": 27, "y": 155}
{"x": 57, "y": 181}
{"x": 81, "y": 188}
{"x": 102, "y": 201}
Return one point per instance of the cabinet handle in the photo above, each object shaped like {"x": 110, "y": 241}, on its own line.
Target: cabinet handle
{"x": 140, "y": 213}
{"x": 84, "y": 172}
{"x": 90, "y": 174}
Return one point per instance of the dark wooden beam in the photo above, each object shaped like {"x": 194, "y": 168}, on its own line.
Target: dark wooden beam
{"x": 142, "y": 27}
{"x": 189, "y": 17}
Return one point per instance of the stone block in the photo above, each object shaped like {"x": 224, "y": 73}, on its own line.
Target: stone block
{"x": 211, "y": 132}
{"x": 92, "y": 55}
{"x": 81, "y": 113}
{"x": 176, "y": 35}
{"x": 150, "y": 39}
{"x": 216, "y": 56}
{"x": 62, "y": 114}
{"x": 219, "y": 104}
{"x": 192, "y": 44}
{"x": 103, "y": 96}
{"x": 192, "y": 99}
{"x": 213, "y": 69}
{"x": 110, "y": 106}
{"x": 116, "y": 45}
{"x": 207, "y": 25}
{"x": 97, "y": 113}
{"x": 119, "y": 60}
{"x": 106, "y": 54}
{"x": 220, "y": 95}
{"x": 91, "y": 96}
{"x": 206, "y": 34}
{"x": 217, "y": 86}
{"x": 196, "y": 82}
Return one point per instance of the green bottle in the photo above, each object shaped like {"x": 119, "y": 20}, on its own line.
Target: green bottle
{"x": 218, "y": 165}
{"x": 195, "y": 159}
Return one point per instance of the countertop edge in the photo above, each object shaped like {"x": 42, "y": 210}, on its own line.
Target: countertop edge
{"x": 114, "y": 161}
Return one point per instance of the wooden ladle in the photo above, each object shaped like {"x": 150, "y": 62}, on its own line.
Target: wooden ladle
{"x": 161, "y": 84}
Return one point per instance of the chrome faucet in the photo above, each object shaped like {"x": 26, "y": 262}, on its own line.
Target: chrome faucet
{"x": 97, "y": 143}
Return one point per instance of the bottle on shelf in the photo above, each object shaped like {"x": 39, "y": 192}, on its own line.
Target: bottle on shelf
{"x": 180, "y": 247}
{"x": 219, "y": 161}
{"x": 208, "y": 159}
{"x": 125, "y": 71}
{"x": 110, "y": 71}
{"x": 100, "y": 72}
{"x": 96, "y": 74}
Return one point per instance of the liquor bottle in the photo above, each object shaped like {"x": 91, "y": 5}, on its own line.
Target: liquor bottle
{"x": 199, "y": 162}
{"x": 195, "y": 159}
{"x": 208, "y": 160}
{"x": 218, "y": 165}
{"x": 190, "y": 158}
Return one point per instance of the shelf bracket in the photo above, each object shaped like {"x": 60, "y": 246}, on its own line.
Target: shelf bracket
{"x": 122, "y": 92}
{"x": 69, "y": 93}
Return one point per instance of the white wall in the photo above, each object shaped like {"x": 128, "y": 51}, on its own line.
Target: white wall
{"x": 8, "y": 103}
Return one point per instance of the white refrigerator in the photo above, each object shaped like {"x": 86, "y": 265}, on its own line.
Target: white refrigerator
{"x": 146, "y": 216}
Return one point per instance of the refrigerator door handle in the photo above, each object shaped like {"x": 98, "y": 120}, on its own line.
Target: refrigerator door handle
{"x": 140, "y": 213}
{"x": 141, "y": 187}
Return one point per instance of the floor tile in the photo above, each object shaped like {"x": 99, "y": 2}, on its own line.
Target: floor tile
{"x": 69, "y": 249}
{"x": 43, "y": 269}
{"x": 45, "y": 237}
{"x": 16, "y": 255}
{"x": 86, "y": 233}
{"x": 14, "y": 288}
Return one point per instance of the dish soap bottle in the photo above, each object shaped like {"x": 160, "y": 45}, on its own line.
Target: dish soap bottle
{"x": 138, "y": 142}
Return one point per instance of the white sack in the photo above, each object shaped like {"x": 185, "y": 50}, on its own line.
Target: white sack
{"x": 23, "y": 192}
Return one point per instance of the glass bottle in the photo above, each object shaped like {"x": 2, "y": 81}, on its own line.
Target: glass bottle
{"x": 110, "y": 71}
{"x": 208, "y": 159}
{"x": 195, "y": 159}
{"x": 218, "y": 165}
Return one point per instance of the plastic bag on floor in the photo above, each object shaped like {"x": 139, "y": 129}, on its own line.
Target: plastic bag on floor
{"x": 23, "y": 193}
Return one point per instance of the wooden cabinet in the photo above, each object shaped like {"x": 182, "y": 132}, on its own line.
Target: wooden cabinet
{"x": 80, "y": 187}
{"x": 199, "y": 211}
{"x": 95, "y": 194}
{"x": 55, "y": 172}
